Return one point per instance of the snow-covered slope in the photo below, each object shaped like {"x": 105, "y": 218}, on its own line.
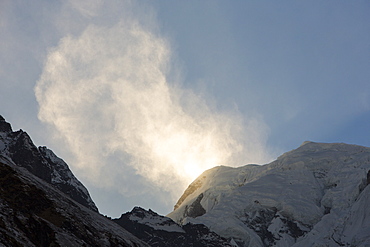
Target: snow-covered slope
{"x": 42, "y": 162}
{"x": 315, "y": 195}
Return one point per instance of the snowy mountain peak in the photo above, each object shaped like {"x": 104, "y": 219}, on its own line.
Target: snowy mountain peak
{"x": 303, "y": 197}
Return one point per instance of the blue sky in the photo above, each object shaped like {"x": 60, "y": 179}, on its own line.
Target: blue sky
{"x": 267, "y": 75}
{"x": 302, "y": 65}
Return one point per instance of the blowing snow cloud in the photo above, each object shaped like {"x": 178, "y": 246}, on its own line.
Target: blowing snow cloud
{"x": 106, "y": 94}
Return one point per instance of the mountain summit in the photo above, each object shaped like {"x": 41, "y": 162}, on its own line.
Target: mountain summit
{"x": 315, "y": 195}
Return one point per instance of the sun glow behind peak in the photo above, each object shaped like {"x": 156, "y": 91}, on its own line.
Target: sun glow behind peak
{"x": 117, "y": 101}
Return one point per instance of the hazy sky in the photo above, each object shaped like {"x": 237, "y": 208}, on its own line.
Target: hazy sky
{"x": 139, "y": 97}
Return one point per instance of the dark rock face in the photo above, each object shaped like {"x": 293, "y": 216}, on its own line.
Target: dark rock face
{"x": 158, "y": 230}
{"x": 42, "y": 162}
{"x": 4, "y": 126}
{"x": 261, "y": 219}
{"x": 34, "y": 213}
{"x": 24, "y": 153}
{"x": 29, "y": 203}
{"x": 195, "y": 209}
{"x": 64, "y": 180}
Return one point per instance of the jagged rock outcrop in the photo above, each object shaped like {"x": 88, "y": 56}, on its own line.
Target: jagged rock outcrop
{"x": 42, "y": 162}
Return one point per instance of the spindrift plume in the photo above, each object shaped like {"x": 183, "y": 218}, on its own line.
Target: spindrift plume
{"x": 106, "y": 93}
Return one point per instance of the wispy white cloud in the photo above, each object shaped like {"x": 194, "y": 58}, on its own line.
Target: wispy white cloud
{"x": 106, "y": 94}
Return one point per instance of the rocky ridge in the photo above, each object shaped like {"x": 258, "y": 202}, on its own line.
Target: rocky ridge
{"x": 42, "y": 162}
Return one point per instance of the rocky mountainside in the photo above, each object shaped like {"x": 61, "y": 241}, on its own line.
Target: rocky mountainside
{"x": 43, "y": 204}
{"x": 315, "y": 195}
{"x": 36, "y": 213}
{"x": 41, "y": 162}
